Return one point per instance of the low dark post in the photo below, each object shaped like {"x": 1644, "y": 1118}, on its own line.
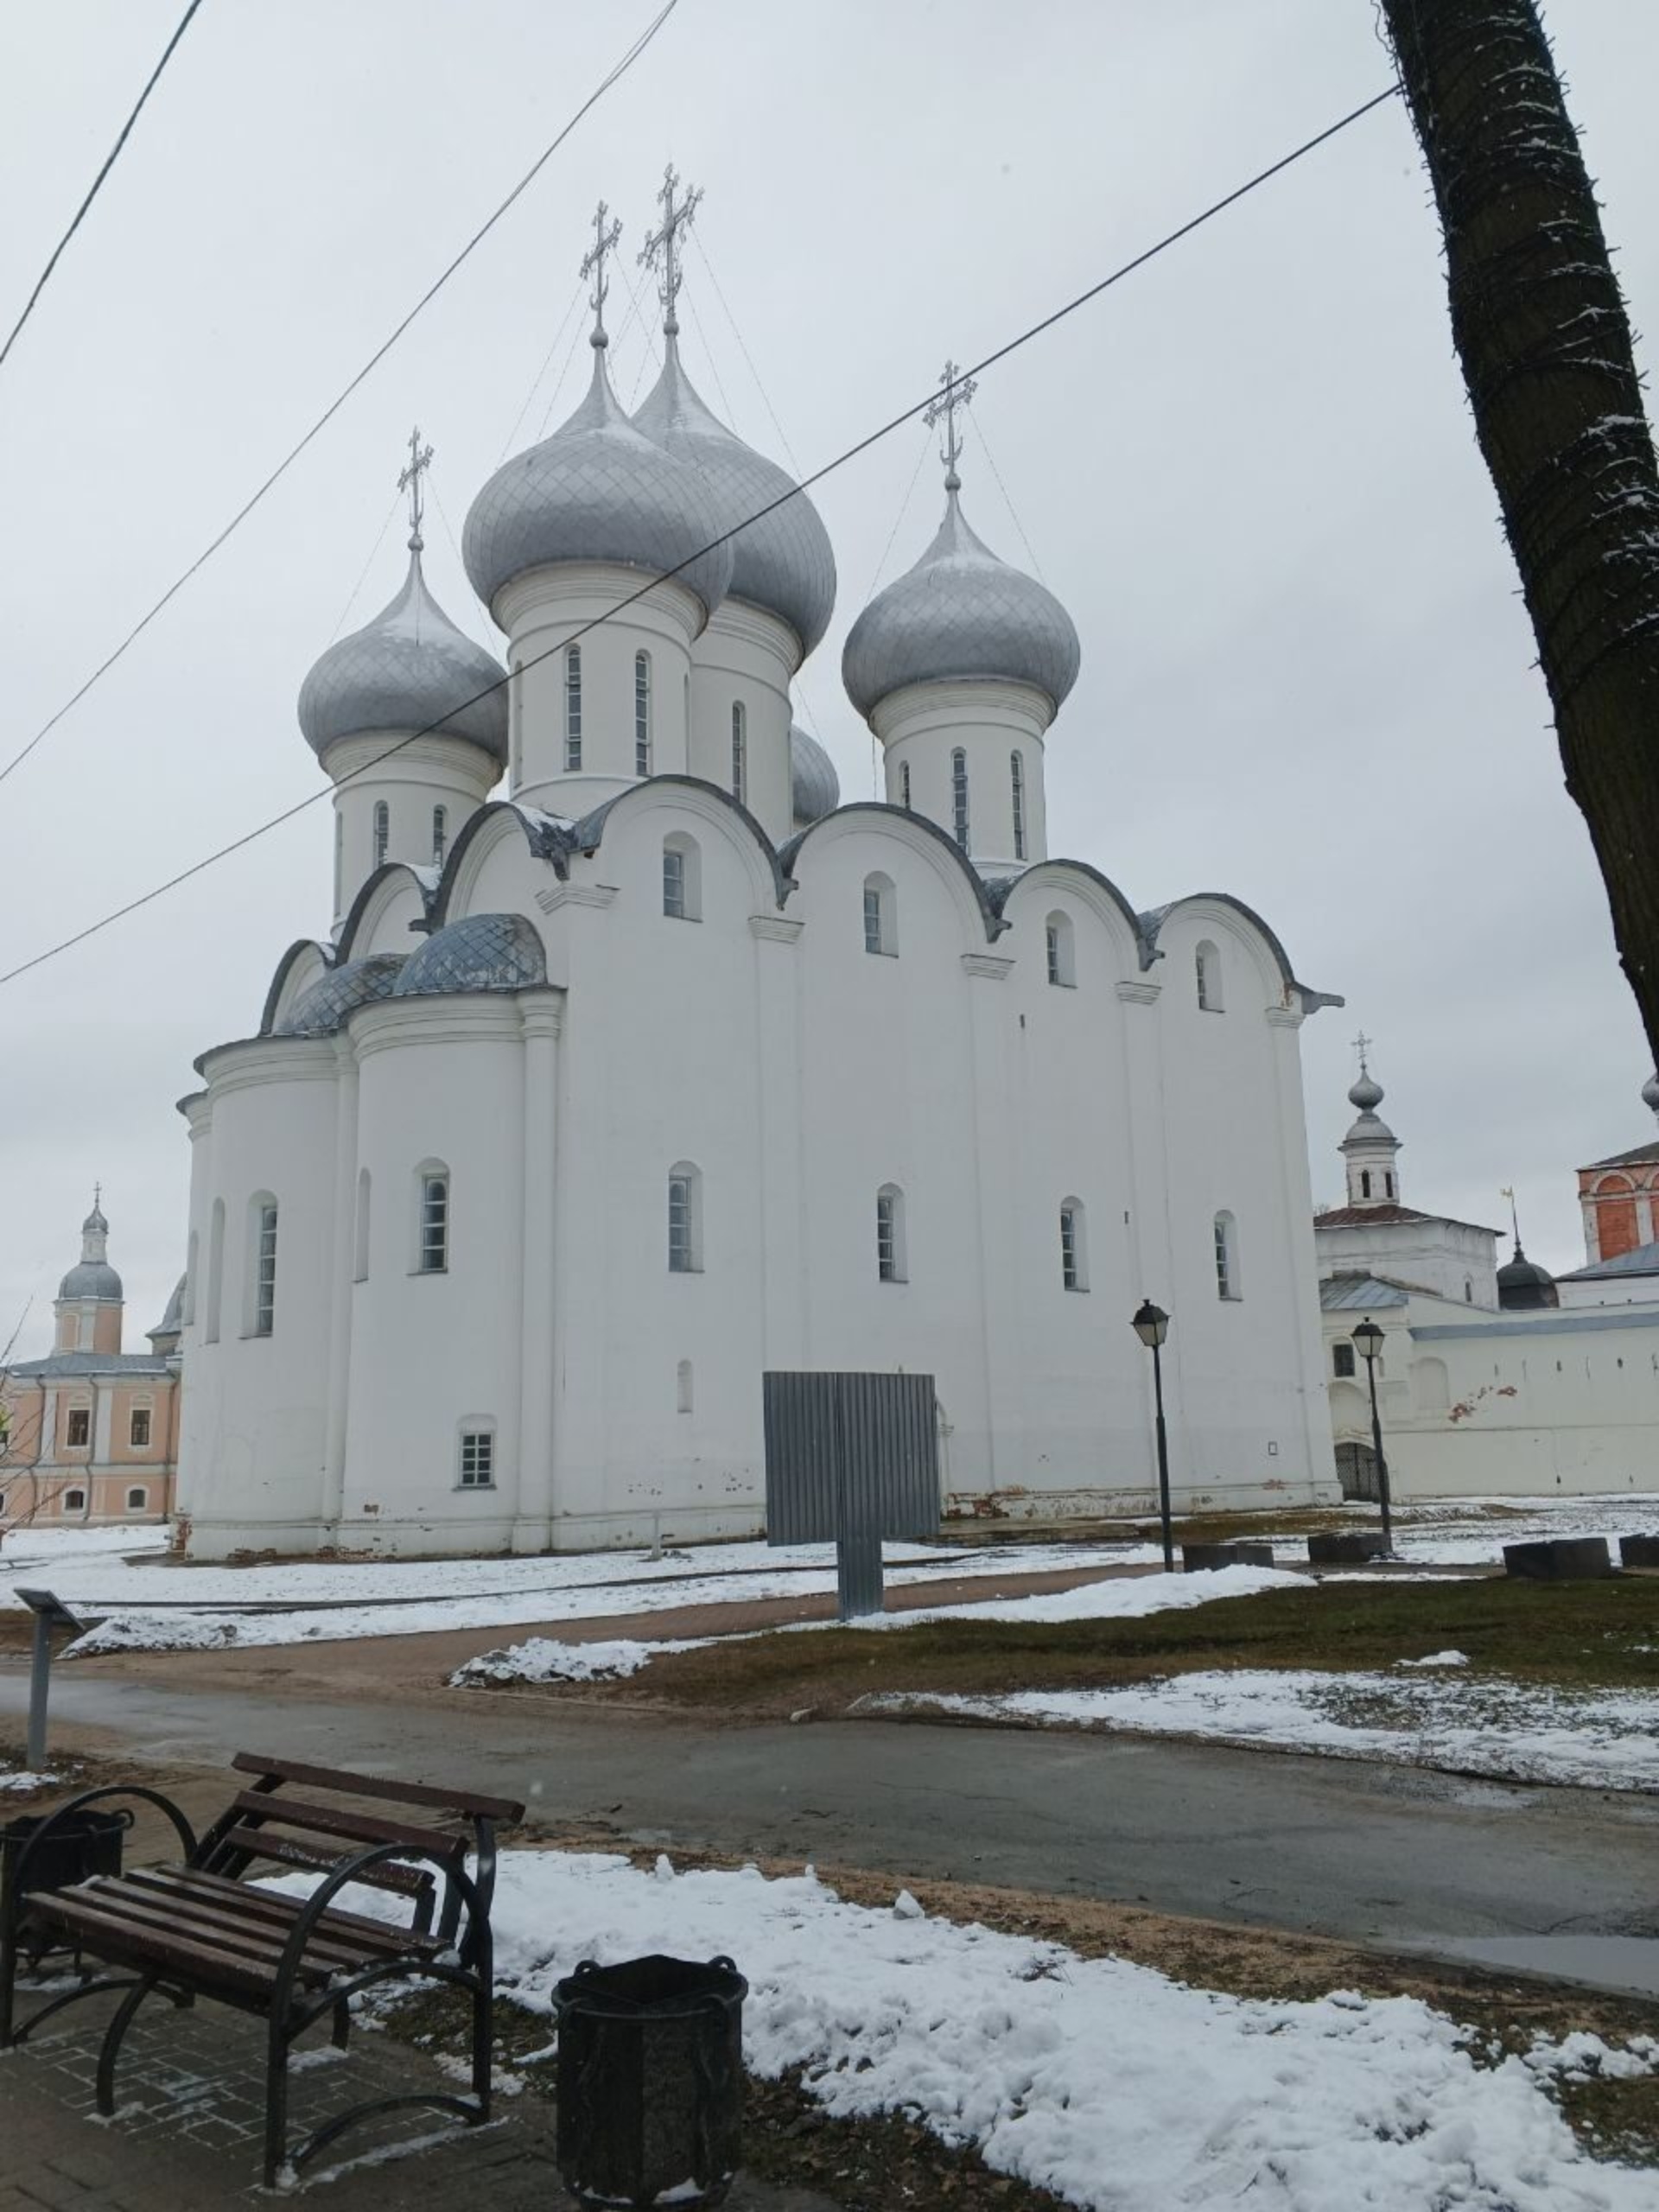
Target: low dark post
{"x": 1152, "y": 1325}
{"x": 1368, "y": 1338}
{"x": 49, "y": 1612}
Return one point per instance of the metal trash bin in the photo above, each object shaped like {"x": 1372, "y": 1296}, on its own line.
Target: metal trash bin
{"x": 87, "y": 1844}
{"x": 650, "y": 2082}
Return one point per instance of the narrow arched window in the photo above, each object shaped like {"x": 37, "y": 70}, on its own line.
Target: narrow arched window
{"x": 890, "y": 1258}
{"x": 684, "y": 1219}
{"x": 1364, "y": 1182}
{"x": 1207, "y": 964}
{"x": 682, "y": 1387}
{"x": 572, "y": 707}
{"x": 1074, "y": 1245}
{"x": 903, "y": 785}
{"x": 75, "y": 1501}
{"x": 1387, "y": 1185}
{"x": 137, "y": 1501}
{"x": 1059, "y": 950}
{"x": 191, "y": 1268}
{"x": 382, "y": 830}
{"x": 440, "y": 834}
{"x": 681, "y": 878}
{"x": 339, "y": 860}
{"x": 215, "y": 1269}
{"x": 642, "y": 714}
{"x": 1017, "y": 782}
{"x": 262, "y": 1268}
{"x": 360, "y": 1227}
{"x": 740, "y": 752}
{"x": 1226, "y": 1256}
{"x": 959, "y": 797}
{"x": 432, "y": 1218}
{"x": 881, "y": 916}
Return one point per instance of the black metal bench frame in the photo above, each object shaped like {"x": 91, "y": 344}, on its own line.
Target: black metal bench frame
{"x": 288, "y": 1960}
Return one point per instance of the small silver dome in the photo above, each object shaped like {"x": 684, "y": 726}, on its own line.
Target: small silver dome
{"x": 409, "y": 669}
{"x": 597, "y": 490}
{"x": 323, "y": 1006}
{"x": 960, "y": 612}
{"x": 91, "y": 1279}
{"x": 813, "y": 781}
{"x": 1651, "y": 1093}
{"x": 1366, "y": 1093}
{"x": 483, "y": 952}
{"x": 783, "y": 563}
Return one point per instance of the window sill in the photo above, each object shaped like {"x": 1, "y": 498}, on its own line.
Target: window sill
{"x": 1061, "y": 984}
{"x": 418, "y": 1272}
{"x": 1075, "y": 1289}
{"x": 882, "y": 951}
{"x": 682, "y": 918}
{"x": 473, "y": 1490}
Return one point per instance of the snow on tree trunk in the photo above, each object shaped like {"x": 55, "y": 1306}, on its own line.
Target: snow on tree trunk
{"x": 1540, "y": 326}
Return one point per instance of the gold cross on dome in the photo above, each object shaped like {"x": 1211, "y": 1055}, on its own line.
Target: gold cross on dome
{"x": 420, "y": 460}
{"x": 663, "y": 245}
{"x": 592, "y": 265}
{"x": 955, "y": 392}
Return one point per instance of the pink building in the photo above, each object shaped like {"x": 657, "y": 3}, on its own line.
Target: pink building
{"x": 90, "y": 1433}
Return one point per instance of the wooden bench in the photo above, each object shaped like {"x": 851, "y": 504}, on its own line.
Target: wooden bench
{"x": 199, "y": 1927}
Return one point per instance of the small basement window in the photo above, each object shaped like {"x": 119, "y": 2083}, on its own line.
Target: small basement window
{"x": 477, "y": 1459}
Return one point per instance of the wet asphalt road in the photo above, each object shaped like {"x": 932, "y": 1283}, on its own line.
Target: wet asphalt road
{"x": 1363, "y": 1852}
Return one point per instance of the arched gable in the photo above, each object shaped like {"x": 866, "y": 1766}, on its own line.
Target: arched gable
{"x": 481, "y": 836}
{"x": 304, "y": 963}
{"x": 1247, "y": 927}
{"x": 694, "y": 798}
{"x": 374, "y": 922}
{"x": 941, "y": 851}
{"x": 1031, "y": 892}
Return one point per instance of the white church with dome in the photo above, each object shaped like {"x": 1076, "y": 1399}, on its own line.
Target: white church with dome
{"x": 633, "y": 1065}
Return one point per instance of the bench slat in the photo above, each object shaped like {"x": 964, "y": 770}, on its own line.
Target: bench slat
{"x": 330, "y": 1819}
{"x": 380, "y": 1933}
{"x": 289, "y": 1851}
{"x": 122, "y": 1944}
{"x": 257, "y": 1942}
{"x": 214, "y": 1916}
{"x": 371, "y": 1785}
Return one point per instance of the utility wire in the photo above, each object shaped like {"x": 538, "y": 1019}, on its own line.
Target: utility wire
{"x": 396, "y": 502}
{"x": 110, "y": 159}
{"x": 535, "y": 383}
{"x": 283, "y": 466}
{"x": 863, "y": 445}
{"x": 985, "y": 448}
{"x": 766, "y": 397}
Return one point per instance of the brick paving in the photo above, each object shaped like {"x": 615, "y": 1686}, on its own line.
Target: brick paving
{"x": 187, "y": 2133}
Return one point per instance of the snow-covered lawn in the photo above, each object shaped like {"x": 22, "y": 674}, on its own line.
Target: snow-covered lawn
{"x": 545, "y": 1659}
{"x": 1117, "y": 2087}
{"x": 12, "y": 1778}
{"x": 1473, "y": 1531}
{"x": 1434, "y": 1715}
{"x": 157, "y": 1607}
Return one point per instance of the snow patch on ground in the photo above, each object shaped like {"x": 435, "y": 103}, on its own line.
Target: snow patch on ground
{"x": 1102, "y": 2081}
{"x": 1520, "y": 1732}
{"x": 11, "y": 1779}
{"x": 542, "y": 1659}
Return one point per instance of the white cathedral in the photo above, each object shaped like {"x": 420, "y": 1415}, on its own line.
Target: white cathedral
{"x": 604, "y": 1097}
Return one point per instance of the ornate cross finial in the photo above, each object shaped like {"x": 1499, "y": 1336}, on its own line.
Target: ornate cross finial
{"x": 592, "y": 265}
{"x": 1505, "y": 1190}
{"x": 98, "y": 1195}
{"x": 954, "y": 391}
{"x": 1362, "y": 1045}
{"x": 420, "y": 460}
{"x": 664, "y": 245}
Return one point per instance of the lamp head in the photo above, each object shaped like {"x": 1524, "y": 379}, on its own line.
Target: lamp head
{"x": 1151, "y": 1325}
{"x": 1369, "y": 1338}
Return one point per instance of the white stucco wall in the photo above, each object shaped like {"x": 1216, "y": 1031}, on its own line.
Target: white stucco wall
{"x": 1434, "y": 1254}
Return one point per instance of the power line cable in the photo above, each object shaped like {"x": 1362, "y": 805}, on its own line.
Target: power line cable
{"x": 863, "y": 445}
{"x": 110, "y": 159}
{"x": 283, "y": 466}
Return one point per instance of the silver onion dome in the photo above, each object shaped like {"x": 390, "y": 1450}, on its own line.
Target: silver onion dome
{"x": 960, "y": 612}
{"x": 322, "y": 1006}
{"x": 91, "y": 1279}
{"x": 597, "y": 490}
{"x": 815, "y": 786}
{"x": 482, "y": 952}
{"x": 1366, "y": 1093}
{"x": 783, "y": 563}
{"x": 410, "y": 668}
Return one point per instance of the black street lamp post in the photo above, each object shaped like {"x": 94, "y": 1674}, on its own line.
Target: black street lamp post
{"x": 1152, "y": 1325}
{"x": 1368, "y": 1338}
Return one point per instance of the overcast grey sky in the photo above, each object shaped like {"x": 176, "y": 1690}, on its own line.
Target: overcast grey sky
{"x": 1249, "y": 471}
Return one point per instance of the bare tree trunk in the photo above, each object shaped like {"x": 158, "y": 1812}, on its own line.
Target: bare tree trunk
{"x": 1540, "y": 326}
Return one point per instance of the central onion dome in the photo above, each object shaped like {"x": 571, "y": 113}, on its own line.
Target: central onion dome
{"x": 782, "y": 564}
{"x": 960, "y": 612}
{"x": 410, "y": 668}
{"x": 1525, "y": 1287}
{"x": 815, "y": 787}
{"x": 597, "y": 490}
{"x": 1367, "y": 1095}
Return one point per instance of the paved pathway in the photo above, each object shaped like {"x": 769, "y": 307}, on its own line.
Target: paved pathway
{"x": 1358, "y": 1851}
{"x": 186, "y": 2136}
